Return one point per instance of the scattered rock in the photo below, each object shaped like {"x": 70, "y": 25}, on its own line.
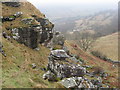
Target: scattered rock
{"x": 4, "y": 34}
{"x": 96, "y": 82}
{"x": 33, "y": 66}
{"x": 18, "y": 14}
{"x": 37, "y": 49}
{"x": 12, "y": 17}
{"x": 27, "y": 20}
{"x": 43, "y": 69}
{"x": 1, "y": 50}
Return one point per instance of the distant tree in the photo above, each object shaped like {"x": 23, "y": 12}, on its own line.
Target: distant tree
{"x": 86, "y": 40}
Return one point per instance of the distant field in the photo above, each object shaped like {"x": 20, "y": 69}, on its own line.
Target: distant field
{"x": 107, "y": 45}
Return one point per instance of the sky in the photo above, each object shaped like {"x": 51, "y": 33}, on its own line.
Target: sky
{"x": 72, "y": 8}
{"x": 45, "y": 2}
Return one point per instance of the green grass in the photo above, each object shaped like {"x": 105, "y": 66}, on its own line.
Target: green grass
{"x": 17, "y": 72}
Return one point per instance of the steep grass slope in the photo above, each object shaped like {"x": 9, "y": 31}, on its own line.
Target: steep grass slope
{"x": 16, "y": 67}
{"x": 107, "y": 45}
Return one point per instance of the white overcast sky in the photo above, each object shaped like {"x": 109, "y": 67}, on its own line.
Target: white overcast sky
{"x": 73, "y": 1}
{"x": 59, "y": 8}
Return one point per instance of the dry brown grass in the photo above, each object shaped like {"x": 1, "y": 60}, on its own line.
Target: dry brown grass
{"x": 107, "y": 45}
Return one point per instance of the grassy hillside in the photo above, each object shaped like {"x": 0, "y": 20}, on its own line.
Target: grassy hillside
{"x": 107, "y": 45}
{"x": 17, "y": 71}
{"x": 16, "y": 67}
{"x": 26, "y": 8}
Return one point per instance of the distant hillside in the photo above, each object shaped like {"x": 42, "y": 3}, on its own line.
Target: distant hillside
{"x": 104, "y": 23}
{"x": 65, "y": 24}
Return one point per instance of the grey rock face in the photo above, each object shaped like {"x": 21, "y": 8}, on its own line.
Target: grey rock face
{"x": 50, "y": 76}
{"x": 59, "y": 53}
{"x": 63, "y": 69}
{"x": 12, "y": 4}
{"x": 27, "y": 20}
{"x": 69, "y": 83}
{"x": 32, "y": 36}
{"x": 12, "y": 17}
{"x": 29, "y": 36}
{"x": 58, "y": 39}
{"x": 77, "y": 82}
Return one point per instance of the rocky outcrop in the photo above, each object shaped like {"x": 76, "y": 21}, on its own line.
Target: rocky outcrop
{"x": 12, "y": 4}
{"x": 61, "y": 67}
{"x": 12, "y": 17}
{"x": 27, "y": 20}
{"x": 71, "y": 75}
{"x": 47, "y": 27}
{"x": 33, "y": 35}
{"x": 77, "y": 82}
{"x": 58, "y": 40}
{"x": 29, "y": 36}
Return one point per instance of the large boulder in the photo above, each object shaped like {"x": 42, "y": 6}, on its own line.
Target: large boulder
{"x": 28, "y": 36}
{"x": 59, "y": 54}
{"x": 77, "y": 82}
{"x": 59, "y": 65}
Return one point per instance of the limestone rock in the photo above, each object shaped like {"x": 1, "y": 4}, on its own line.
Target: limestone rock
{"x": 59, "y": 53}
{"x": 12, "y": 17}
{"x": 27, "y": 20}
{"x": 76, "y": 82}
{"x": 50, "y": 76}
{"x": 62, "y": 68}
{"x": 12, "y": 4}
{"x": 18, "y": 14}
{"x": 58, "y": 39}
